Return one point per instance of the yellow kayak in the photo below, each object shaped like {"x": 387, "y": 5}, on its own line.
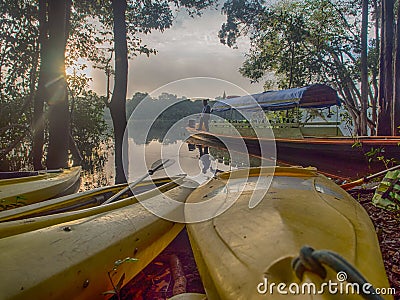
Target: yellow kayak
{"x": 247, "y": 251}
{"x": 33, "y": 223}
{"x": 85, "y": 258}
{"x": 15, "y": 192}
{"x": 80, "y": 200}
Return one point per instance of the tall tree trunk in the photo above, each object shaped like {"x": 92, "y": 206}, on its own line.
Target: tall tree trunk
{"x": 375, "y": 73}
{"x": 292, "y": 52}
{"x": 396, "y": 99}
{"x": 58, "y": 115}
{"x": 364, "y": 69}
{"x": 40, "y": 96}
{"x": 386, "y": 69}
{"x": 118, "y": 100}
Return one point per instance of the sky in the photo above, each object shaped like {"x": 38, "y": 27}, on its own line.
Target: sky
{"x": 190, "y": 48}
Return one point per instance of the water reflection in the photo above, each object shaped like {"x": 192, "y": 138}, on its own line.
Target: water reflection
{"x": 205, "y": 159}
{"x": 157, "y": 133}
{"x": 222, "y": 156}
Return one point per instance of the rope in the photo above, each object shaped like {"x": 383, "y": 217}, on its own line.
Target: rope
{"x": 314, "y": 261}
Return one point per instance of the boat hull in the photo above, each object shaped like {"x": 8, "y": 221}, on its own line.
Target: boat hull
{"x": 240, "y": 248}
{"x": 77, "y": 260}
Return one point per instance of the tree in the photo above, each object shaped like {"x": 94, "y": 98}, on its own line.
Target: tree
{"x": 57, "y": 97}
{"x": 38, "y": 122}
{"x": 396, "y": 99}
{"x": 364, "y": 69}
{"x": 22, "y": 98}
{"x": 118, "y": 101}
{"x": 386, "y": 69}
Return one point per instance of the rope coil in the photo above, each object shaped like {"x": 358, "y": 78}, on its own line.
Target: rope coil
{"x": 314, "y": 261}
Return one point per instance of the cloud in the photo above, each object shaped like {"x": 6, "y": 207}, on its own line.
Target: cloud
{"x": 191, "y": 48}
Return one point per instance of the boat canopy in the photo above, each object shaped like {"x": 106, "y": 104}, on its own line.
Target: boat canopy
{"x": 312, "y": 96}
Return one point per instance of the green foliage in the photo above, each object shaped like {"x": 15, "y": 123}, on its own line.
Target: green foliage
{"x": 346, "y": 120}
{"x": 302, "y": 43}
{"x": 378, "y": 155}
{"x": 122, "y": 261}
{"x": 89, "y": 129}
{"x": 243, "y": 17}
{"x": 289, "y": 116}
{"x": 18, "y": 71}
{"x": 18, "y": 48}
{"x": 281, "y": 48}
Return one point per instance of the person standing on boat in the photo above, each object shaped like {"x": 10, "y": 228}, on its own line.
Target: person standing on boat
{"x": 205, "y": 116}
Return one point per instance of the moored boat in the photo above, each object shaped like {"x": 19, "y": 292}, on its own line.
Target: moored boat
{"x": 23, "y": 188}
{"x": 298, "y": 141}
{"x": 344, "y": 157}
{"x": 78, "y": 206}
{"x": 84, "y": 258}
{"x": 248, "y": 249}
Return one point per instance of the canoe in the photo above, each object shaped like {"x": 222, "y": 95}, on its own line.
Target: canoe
{"x": 258, "y": 231}
{"x": 24, "y": 190}
{"x": 84, "y": 258}
{"x": 80, "y": 200}
{"x": 33, "y": 223}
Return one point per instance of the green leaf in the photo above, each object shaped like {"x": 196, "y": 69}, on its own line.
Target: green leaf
{"x": 121, "y": 261}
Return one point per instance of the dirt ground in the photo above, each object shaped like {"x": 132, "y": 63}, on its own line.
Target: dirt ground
{"x": 387, "y": 225}
{"x": 156, "y": 282}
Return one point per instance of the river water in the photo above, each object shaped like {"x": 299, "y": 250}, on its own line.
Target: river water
{"x": 198, "y": 162}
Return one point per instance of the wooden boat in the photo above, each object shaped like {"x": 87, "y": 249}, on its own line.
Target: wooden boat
{"x": 22, "y": 188}
{"x": 301, "y": 143}
{"x": 84, "y": 258}
{"x": 77, "y": 206}
{"x": 242, "y": 246}
{"x": 337, "y": 156}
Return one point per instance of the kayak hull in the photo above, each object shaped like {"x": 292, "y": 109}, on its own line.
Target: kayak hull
{"x": 240, "y": 248}
{"x": 34, "y": 223}
{"x": 80, "y": 200}
{"x": 79, "y": 259}
{"x": 15, "y": 192}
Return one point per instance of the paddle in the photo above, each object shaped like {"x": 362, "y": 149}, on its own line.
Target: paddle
{"x": 350, "y": 185}
{"x": 156, "y": 166}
